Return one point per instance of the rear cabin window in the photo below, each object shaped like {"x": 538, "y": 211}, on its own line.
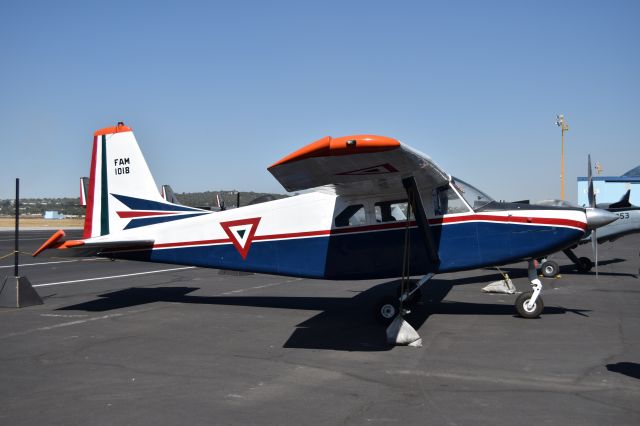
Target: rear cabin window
{"x": 391, "y": 211}
{"x": 351, "y": 216}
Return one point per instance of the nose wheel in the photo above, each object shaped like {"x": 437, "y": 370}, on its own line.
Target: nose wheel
{"x": 526, "y": 309}
{"x": 529, "y": 304}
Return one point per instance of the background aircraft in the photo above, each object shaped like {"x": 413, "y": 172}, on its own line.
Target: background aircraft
{"x": 628, "y": 223}
{"x": 377, "y": 209}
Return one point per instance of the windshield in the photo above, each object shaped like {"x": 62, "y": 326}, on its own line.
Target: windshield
{"x": 473, "y": 196}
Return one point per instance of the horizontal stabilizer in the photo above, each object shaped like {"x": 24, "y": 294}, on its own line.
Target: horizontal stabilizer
{"x": 91, "y": 248}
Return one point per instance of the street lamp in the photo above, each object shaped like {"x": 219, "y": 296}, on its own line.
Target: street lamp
{"x": 564, "y": 126}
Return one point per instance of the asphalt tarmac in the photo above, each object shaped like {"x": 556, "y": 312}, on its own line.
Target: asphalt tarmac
{"x": 151, "y": 344}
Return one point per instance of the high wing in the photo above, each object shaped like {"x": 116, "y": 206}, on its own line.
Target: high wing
{"x": 357, "y": 164}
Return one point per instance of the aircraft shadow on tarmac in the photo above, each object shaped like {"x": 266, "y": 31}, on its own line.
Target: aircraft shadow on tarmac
{"x": 631, "y": 369}
{"x": 344, "y": 323}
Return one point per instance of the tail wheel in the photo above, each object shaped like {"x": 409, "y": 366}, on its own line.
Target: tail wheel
{"x": 387, "y": 309}
{"x": 584, "y": 264}
{"x": 526, "y": 311}
{"x": 549, "y": 269}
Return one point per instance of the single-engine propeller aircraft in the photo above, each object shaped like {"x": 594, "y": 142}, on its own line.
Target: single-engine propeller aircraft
{"x": 628, "y": 223}
{"x": 377, "y": 209}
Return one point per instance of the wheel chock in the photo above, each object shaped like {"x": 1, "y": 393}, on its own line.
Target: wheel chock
{"x": 401, "y": 333}
{"x": 501, "y": 286}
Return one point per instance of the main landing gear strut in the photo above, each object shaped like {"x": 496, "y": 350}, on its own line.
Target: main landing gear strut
{"x": 529, "y": 304}
{"x": 389, "y": 307}
{"x": 390, "y": 310}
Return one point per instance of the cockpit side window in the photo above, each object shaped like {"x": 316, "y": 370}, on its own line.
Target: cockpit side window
{"x": 353, "y": 215}
{"x": 446, "y": 201}
{"x": 472, "y": 195}
{"x": 390, "y": 211}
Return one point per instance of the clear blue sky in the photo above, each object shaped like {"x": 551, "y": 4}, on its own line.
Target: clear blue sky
{"x": 217, "y": 91}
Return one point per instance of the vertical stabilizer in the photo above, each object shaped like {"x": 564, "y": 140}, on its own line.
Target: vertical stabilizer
{"x": 169, "y": 195}
{"x": 84, "y": 187}
{"x": 118, "y": 172}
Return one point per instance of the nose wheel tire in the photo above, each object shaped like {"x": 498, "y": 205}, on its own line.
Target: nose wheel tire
{"x": 526, "y": 311}
{"x": 549, "y": 269}
{"x": 387, "y": 309}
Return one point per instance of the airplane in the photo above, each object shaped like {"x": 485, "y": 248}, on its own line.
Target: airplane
{"x": 168, "y": 195}
{"x": 84, "y": 184}
{"x": 628, "y": 223}
{"x": 372, "y": 208}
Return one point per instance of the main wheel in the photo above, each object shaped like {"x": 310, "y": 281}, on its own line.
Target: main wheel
{"x": 387, "y": 309}
{"x": 549, "y": 269}
{"x": 584, "y": 264}
{"x": 524, "y": 310}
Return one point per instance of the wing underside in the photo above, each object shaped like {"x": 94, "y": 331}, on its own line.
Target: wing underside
{"x": 357, "y": 164}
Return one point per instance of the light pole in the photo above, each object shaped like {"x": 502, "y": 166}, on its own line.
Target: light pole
{"x": 564, "y": 126}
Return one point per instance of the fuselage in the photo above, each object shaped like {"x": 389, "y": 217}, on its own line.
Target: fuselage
{"x": 329, "y": 236}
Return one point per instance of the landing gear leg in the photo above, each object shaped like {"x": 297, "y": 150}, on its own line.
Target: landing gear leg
{"x": 584, "y": 264}
{"x": 389, "y": 307}
{"x": 530, "y": 304}
{"x": 390, "y": 311}
{"x": 413, "y": 294}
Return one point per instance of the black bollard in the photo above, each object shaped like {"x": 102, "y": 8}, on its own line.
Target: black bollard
{"x": 17, "y": 291}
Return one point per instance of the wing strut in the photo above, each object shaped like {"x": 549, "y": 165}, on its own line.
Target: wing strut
{"x": 421, "y": 218}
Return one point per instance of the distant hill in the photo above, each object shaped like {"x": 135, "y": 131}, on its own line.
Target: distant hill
{"x": 208, "y": 198}
{"x": 71, "y": 206}
{"x": 37, "y": 206}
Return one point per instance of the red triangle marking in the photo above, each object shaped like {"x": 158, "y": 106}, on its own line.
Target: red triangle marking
{"x": 252, "y": 231}
{"x": 380, "y": 169}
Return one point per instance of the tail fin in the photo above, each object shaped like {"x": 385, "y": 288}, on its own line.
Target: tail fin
{"x": 119, "y": 177}
{"x": 84, "y": 185}
{"x": 169, "y": 195}
{"x": 623, "y": 202}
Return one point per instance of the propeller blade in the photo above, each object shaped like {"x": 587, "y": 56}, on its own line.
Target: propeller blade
{"x": 591, "y": 193}
{"x": 594, "y": 247}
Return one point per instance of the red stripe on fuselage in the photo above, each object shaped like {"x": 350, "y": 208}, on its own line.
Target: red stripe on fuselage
{"x": 130, "y": 214}
{"x": 393, "y": 225}
{"x": 192, "y": 243}
{"x": 512, "y": 219}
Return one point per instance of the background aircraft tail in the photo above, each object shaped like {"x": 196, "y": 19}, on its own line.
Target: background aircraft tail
{"x": 84, "y": 187}
{"x": 169, "y": 195}
{"x": 120, "y": 185}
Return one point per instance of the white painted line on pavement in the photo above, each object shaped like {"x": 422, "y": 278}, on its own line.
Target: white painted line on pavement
{"x": 50, "y": 263}
{"x": 114, "y": 276}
